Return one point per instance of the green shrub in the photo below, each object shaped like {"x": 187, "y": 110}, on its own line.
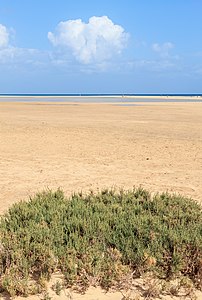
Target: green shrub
{"x": 99, "y": 238}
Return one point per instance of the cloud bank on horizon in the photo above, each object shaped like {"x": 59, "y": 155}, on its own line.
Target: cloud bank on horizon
{"x": 95, "y": 41}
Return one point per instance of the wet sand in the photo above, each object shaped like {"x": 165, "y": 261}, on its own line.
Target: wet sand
{"x": 89, "y": 146}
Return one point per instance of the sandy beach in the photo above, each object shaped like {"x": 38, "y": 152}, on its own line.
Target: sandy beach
{"x": 92, "y": 146}
{"x": 51, "y": 145}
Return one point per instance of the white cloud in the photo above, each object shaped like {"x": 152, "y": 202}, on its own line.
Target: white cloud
{"x": 92, "y": 42}
{"x": 4, "y": 36}
{"x": 163, "y": 49}
{"x": 12, "y": 57}
{"x": 20, "y": 56}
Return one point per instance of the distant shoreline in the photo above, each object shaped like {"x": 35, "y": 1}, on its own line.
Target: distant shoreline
{"x": 99, "y": 98}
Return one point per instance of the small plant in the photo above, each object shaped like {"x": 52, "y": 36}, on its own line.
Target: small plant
{"x": 152, "y": 287}
{"x": 174, "y": 290}
{"x": 180, "y": 287}
{"x": 58, "y": 287}
{"x": 46, "y": 296}
{"x": 130, "y": 296}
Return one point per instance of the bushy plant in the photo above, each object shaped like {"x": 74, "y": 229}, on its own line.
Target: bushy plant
{"x": 99, "y": 238}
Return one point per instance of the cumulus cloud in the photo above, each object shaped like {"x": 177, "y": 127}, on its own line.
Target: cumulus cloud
{"x": 4, "y": 36}
{"x": 163, "y": 49}
{"x": 11, "y": 56}
{"x": 92, "y": 42}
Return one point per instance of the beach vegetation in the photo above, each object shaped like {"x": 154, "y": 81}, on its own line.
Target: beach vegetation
{"x": 98, "y": 239}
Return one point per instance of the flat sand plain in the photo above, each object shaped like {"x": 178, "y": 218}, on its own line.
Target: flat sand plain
{"x": 84, "y": 146}
{"x": 90, "y": 146}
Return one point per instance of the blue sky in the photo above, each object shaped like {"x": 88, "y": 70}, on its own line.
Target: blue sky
{"x": 108, "y": 46}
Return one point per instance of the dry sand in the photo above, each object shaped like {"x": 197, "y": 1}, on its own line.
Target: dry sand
{"x": 80, "y": 147}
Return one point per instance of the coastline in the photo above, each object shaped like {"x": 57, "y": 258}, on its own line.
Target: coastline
{"x": 104, "y": 99}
